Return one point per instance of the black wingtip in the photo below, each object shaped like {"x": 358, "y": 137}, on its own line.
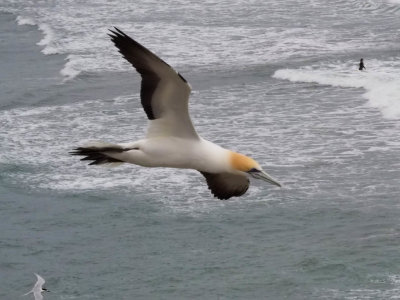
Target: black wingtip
{"x": 113, "y": 34}
{"x": 116, "y": 32}
{"x": 119, "y": 31}
{"x": 76, "y": 151}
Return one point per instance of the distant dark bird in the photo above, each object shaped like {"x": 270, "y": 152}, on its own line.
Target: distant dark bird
{"x": 361, "y": 66}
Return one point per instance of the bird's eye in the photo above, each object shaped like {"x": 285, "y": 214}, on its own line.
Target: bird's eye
{"x": 253, "y": 170}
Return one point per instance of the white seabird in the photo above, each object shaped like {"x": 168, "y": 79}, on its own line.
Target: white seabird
{"x": 171, "y": 139}
{"x": 38, "y": 288}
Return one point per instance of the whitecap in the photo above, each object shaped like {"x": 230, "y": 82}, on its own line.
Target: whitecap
{"x": 25, "y": 21}
{"x": 47, "y": 40}
{"x": 76, "y": 30}
{"x": 386, "y": 287}
{"x": 71, "y": 68}
{"x": 381, "y": 81}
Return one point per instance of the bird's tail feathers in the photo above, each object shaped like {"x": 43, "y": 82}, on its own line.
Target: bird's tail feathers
{"x": 97, "y": 153}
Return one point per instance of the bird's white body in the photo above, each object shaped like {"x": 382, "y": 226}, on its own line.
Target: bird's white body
{"x": 171, "y": 140}
{"x": 175, "y": 152}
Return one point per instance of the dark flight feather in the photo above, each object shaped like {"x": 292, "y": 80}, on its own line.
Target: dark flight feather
{"x": 146, "y": 63}
{"x": 226, "y": 185}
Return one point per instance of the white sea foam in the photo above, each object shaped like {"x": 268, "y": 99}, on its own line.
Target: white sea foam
{"x": 381, "y": 81}
{"x": 390, "y": 289}
{"x": 48, "y": 40}
{"x": 184, "y": 42}
{"x": 71, "y": 69}
{"x": 25, "y": 21}
{"x": 49, "y": 37}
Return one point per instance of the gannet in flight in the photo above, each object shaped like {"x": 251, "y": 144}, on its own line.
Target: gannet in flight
{"x": 38, "y": 288}
{"x": 171, "y": 139}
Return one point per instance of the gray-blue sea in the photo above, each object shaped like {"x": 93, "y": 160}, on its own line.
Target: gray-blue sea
{"x": 275, "y": 80}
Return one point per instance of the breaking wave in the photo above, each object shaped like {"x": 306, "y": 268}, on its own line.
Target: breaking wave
{"x": 381, "y": 81}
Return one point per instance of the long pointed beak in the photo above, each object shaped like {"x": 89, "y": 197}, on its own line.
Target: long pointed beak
{"x": 266, "y": 177}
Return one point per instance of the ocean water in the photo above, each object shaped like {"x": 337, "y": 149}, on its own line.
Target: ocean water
{"x": 277, "y": 80}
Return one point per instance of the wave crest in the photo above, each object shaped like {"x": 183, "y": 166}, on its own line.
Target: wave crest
{"x": 381, "y": 81}
{"x": 25, "y": 21}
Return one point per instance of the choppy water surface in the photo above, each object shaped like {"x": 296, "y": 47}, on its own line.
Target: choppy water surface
{"x": 277, "y": 81}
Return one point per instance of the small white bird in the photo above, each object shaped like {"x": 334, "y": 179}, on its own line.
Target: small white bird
{"x": 171, "y": 139}
{"x": 38, "y": 288}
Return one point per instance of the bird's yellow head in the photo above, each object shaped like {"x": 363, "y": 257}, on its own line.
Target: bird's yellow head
{"x": 243, "y": 163}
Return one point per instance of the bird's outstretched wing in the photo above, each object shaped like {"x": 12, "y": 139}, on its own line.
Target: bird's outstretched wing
{"x": 226, "y": 185}
{"x": 164, "y": 92}
{"x": 37, "y": 288}
{"x": 40, "y": 281}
